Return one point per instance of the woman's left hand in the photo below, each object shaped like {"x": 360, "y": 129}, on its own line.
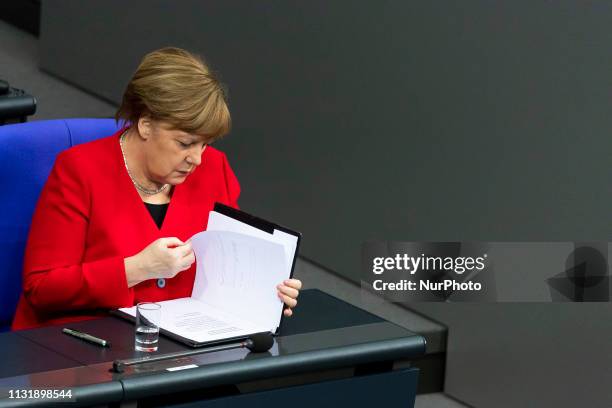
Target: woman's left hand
{"x": 288, "y": 291}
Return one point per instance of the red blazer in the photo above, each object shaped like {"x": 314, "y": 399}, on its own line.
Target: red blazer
{"x": 89, "y": 217}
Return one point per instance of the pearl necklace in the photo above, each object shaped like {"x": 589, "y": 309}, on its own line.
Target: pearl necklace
{"x": 139, "y": 187}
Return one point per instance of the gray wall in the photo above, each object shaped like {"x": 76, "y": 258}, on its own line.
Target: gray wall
{"x": 512, "y": 355}
{"x": 408, "y": 120}
{"x": 412, "y": 120}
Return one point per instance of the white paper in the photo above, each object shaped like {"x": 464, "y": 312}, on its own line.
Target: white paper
{"x": 289, "y": 242}
{"x": 221, "y": 222}
{"x": 238, "y": 274}
{"x": 200, "y": 322}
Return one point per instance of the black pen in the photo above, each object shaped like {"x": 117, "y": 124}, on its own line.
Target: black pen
{"x": 86, "y": 337}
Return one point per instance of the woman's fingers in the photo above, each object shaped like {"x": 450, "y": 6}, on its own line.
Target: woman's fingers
{"x": 188, "y": 260}
{"x": 184, "y": 250}
{"x": 289, "y": 301}
{"x": 288, "y": 291}
{"x": 293, "y": 293}
{"x": 293, "y": 283}
{"x": 171, "y": 242}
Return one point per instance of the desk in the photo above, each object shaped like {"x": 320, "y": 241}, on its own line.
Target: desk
{"x": 328, "y": 353}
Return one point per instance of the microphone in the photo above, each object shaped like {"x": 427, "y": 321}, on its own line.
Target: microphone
{"x": 256, "y": 343}
{"x": 260, "y": 342}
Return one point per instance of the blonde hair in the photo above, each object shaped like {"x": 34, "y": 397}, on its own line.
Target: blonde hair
{"x": 177, "y": 87}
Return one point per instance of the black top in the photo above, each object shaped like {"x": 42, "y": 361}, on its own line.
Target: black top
{"x": 158, "y": 212}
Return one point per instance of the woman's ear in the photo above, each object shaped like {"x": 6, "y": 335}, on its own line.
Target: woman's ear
{"x": 144, "y": 127}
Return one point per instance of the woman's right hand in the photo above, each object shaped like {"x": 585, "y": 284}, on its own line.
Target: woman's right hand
{"x": 163, "y": 258}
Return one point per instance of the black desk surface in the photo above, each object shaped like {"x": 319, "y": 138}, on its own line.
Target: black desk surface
{"x": 323, "y": 333}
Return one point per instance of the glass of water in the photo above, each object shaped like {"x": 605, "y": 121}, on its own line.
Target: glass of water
{"x": 148, "y": 318}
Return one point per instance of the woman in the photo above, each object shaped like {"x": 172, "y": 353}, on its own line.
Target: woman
{"x": 111, "y": 224}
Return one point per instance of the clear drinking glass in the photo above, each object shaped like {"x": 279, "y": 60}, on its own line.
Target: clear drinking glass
{"x": 148, "y": 318}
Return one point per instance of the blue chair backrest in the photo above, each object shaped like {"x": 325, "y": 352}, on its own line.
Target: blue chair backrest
{"x": 27, "y": 154}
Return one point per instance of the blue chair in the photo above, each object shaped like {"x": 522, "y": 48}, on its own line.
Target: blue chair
{"x": 27, "y": 154}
